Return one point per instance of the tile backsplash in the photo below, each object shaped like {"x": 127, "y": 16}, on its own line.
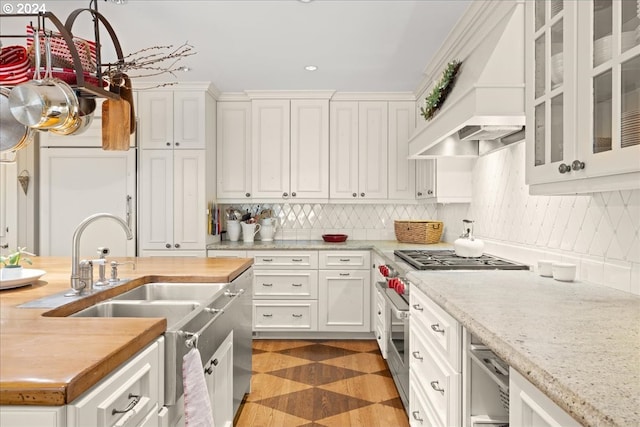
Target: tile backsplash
{"x": 599, "y": 232}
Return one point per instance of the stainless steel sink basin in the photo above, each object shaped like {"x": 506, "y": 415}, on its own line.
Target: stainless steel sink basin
{"x": 174, "y": 311}
{"x": 173, "y": 292}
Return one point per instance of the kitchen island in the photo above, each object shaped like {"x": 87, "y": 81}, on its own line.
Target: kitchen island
{"x": 49, "y": 359}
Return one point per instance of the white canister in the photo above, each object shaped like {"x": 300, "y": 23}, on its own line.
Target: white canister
{"x": 249, "y": 231}
{"x": 233, "y": 230}
{"x": 267, "y": 229}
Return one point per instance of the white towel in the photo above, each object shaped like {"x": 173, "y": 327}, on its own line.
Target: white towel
{"x": 197, "y": 407}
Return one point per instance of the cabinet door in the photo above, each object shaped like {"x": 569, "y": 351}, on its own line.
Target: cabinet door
{"x": 92, "y": 180}
{"x": 344, "y": 300}
{"x": 189, "y": 121}
{"x": 372, "y": 150}
{"x": 155, "y": 109}
{"x": 156, "y": 199}
{"x": 219, "y": 377}
{"x": 550, "y": 90}
{"x": 425, "y": 179}
{"x": 529, "y": 407}
{"x": 189, "y": 211}
{"x": 343, "y": 150}
{"x": 402, "y": 171}
{"x": 610, "y": 65}
{"x": 234, "y": 150}
{"x": 310, "y": 148}
{"x": 270, "y": 148}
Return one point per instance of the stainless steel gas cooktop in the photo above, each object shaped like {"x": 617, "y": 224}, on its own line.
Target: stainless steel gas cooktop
{"x": 447, "y": 260}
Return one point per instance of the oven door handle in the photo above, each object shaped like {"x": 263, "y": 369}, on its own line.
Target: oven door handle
{"x": 393, "y": 301}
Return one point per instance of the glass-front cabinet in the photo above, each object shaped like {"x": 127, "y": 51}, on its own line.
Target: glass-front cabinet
{"x": 583, "y": 95}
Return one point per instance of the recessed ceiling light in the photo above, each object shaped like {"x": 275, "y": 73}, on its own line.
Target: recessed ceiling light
{"x": 310, "y": 67}
{"x": 184, "y": 68}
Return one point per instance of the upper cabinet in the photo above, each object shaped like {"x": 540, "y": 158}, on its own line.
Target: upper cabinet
{"x": 358, "y": 150}
{"x": 234, "y": 149}
{"x": 583, "y": 96}
{"x": 172, "y": 119}
{"x": 290, "y": 148}
{"x": 402, "y": 171}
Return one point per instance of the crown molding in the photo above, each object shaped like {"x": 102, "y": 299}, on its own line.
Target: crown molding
{"x": 289, "y": 94}
{"x": 373, "y": 96}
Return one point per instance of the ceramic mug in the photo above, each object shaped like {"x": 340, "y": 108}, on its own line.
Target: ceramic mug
{"x": 249, "y": 231}
{"x": 233, "y": 230}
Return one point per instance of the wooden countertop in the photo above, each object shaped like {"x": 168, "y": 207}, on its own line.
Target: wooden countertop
{"x": 49, "y": 360}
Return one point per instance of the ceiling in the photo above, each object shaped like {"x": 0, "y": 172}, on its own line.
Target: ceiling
{"x": 357, "y": 45}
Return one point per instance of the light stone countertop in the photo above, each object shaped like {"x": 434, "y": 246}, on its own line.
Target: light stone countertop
{"x": 578, "y": 343}
{"x": 349, "y": 245}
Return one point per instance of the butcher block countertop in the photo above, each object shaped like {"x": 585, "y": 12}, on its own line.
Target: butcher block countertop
{"x": 49, "y": 359}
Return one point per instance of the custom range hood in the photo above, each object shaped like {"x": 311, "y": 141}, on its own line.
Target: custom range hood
{"x": 485, "y": 109}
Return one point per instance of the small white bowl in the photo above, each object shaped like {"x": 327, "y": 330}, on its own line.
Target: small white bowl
{"x": 544, "y": 268}
{"x": 564, "y": 272}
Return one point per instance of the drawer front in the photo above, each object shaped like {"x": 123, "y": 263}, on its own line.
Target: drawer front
{"x": 381, "y": 339}
{"x": 421, "y": 413}
{"x": 440, "y": 328}
{"x": 298, "y": 284}
{"x": 226, "y": 254}
{"x": 285, "y": 315}
{"x": 345, "y": 259}
{"x": 285, "y": 259}
{"x": 125, "y": 397}
{"x": 440, "y": 383}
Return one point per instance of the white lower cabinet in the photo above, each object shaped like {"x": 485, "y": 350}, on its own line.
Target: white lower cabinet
{"x": 344, "y": 301}
{"x": 279, "y": 315}
{"x": 129, "y": 396}
{"x": 219, "y": 379}
{"x": 37, "y": 416}
{"x": 529, "y": 407}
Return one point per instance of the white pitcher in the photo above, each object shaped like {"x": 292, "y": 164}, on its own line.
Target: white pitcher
{"x": 249, "y": 230}
{"x": 268, "y": 229}
{"x": 233, "y": 230}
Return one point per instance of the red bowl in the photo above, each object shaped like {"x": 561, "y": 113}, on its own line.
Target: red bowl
{"x": 334, "y": 238}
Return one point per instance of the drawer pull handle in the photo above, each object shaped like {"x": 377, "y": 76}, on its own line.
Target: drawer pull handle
{"x": 416, "y": 417}
{"x": 416, "y": 354}
{"x": 345, "y": 259}
{"x": 267, "y": 284}
{"x": 344, "y": 274}
{"x": 267, "y": 259}
{"x": 436, "y": 386}
{"x": 130, "y": 406}
{"x": 297, "y": 315}
{"x": 267, "y": 315}
{"x": 417, "y": 307}
{"x": 296, "y": 259}
{"x": 436, "y": 328}
{"x": 296, "y": 284}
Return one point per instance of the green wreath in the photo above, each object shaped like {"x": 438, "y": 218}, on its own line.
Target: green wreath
{"x": 436, "y": 98}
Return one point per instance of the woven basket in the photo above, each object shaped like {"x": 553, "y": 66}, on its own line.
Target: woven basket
{"x": 418, "y": 231}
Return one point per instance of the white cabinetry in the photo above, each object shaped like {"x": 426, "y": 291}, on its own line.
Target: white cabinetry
{"x": 290, "y": 148}
{"x": 529, "y": 407}
{"x": 358, "y": 150}
{"x": 582, "y": 96}
{"x": 435, "y": 364}
{"x": 175, "y": 135}
{"x": 444, "y": 180}
{"x": 402, "y": 171}
{"x": 219, "y": 379}
{"x": 344, "y": 296}
{"x": 172, "y": 119}
{"x": 234, "y": 150}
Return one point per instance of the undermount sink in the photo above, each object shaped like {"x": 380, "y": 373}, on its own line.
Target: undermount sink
{"x": 173, "y": 292}
{"x": 174, "y": 311}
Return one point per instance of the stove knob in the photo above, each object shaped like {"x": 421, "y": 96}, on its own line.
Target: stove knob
{"x": 392, "y": 283}
{"x": 400, "y": 288}
{"x": 384, "y": 270}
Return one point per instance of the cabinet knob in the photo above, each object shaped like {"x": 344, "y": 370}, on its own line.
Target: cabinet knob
{"x": 168, "y": 245}
{"x": 355, "y": 194}
{"x": 177, "y": 143}
{"x": 419, "y": 193}
{"x": 177, "y": 245}
{"x": 285, "y": 194}
{"x": 577, "y": 165}
{"x": 168, "y": 144}
{"x": 563, "y": 168}
{"x": 247, "y": 194}
{"x": 430, "y": 192}
{"x": 361, "y": 194}
{"x": 379, "y": 312}
{"x": 293, "y": 194}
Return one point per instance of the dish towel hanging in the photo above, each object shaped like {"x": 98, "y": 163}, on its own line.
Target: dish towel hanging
{"x": 197, "y": 407}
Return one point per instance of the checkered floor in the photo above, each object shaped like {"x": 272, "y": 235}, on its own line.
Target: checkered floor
{"x": 320, "y": 383}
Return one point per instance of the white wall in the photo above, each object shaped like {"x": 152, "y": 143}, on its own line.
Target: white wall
{"x": 600, "y": 232}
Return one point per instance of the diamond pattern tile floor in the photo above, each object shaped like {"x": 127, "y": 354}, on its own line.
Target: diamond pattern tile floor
{"x": 320, "y": 383}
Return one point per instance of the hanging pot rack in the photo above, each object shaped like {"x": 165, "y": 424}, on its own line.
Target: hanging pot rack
{"x": 82, "y": 86}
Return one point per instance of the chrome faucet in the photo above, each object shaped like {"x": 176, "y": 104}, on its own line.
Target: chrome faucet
{"x": 78, "y": 284}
